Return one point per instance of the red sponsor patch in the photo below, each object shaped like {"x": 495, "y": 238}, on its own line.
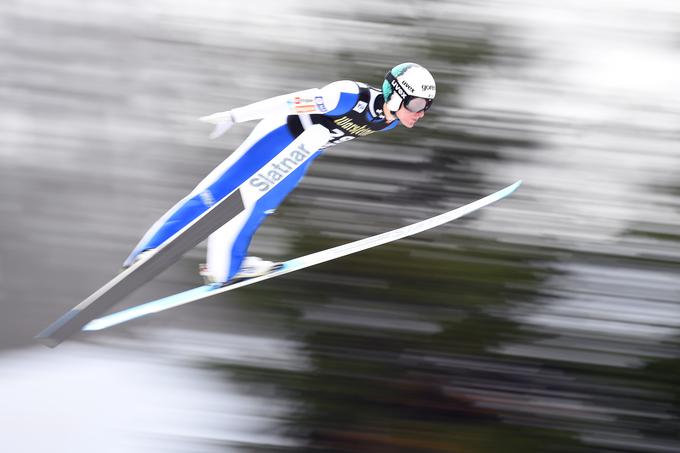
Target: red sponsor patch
{"x": 305, "y": 108}
{"x": 302, "y": 105}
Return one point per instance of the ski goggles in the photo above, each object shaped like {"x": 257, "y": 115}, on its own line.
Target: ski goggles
{"x": 416, "y": 105}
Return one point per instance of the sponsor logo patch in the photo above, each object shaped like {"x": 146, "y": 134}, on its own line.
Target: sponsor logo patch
{"x": 350, "y": 127}
{"x": 275, "y": 171}
{"x": 320, "y": 105}
{"x": 360, "y": 107}
{"x": 302, "y": 105}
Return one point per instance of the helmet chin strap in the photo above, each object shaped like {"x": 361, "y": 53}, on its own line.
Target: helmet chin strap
{"x": 389, "y": 115}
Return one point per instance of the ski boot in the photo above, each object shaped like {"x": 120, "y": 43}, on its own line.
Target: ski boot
{"x": 252, "y": 266}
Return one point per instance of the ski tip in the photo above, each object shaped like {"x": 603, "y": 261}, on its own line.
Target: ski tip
{"x": 512, "y": 187}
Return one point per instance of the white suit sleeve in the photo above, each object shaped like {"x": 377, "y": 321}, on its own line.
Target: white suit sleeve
{"x": 334, "y": 99}
{"x": 310, "y": 101}
{"x": 307, "y": 101}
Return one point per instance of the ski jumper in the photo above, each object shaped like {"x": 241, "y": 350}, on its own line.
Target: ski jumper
{"x": 294, "y": 130}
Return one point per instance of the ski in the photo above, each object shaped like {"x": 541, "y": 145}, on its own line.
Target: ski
{"x": 296, "y": 264}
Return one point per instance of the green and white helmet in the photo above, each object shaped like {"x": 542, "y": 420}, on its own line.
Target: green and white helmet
{"x": 411, "y": 85}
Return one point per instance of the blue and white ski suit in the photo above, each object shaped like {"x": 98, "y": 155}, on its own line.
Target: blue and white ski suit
{"x": 267, "y": 166}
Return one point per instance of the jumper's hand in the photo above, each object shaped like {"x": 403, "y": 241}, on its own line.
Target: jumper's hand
{"x": 222, "y": 121}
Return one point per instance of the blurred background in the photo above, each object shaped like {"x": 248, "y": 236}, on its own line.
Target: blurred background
{"x": 548, "y": 322}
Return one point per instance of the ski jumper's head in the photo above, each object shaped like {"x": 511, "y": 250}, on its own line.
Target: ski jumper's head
{"x": 409, "y": 90}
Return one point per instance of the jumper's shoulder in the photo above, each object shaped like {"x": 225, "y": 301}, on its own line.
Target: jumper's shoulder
{"x": 340, "y": 97}
{"x": 343, "y": 86}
